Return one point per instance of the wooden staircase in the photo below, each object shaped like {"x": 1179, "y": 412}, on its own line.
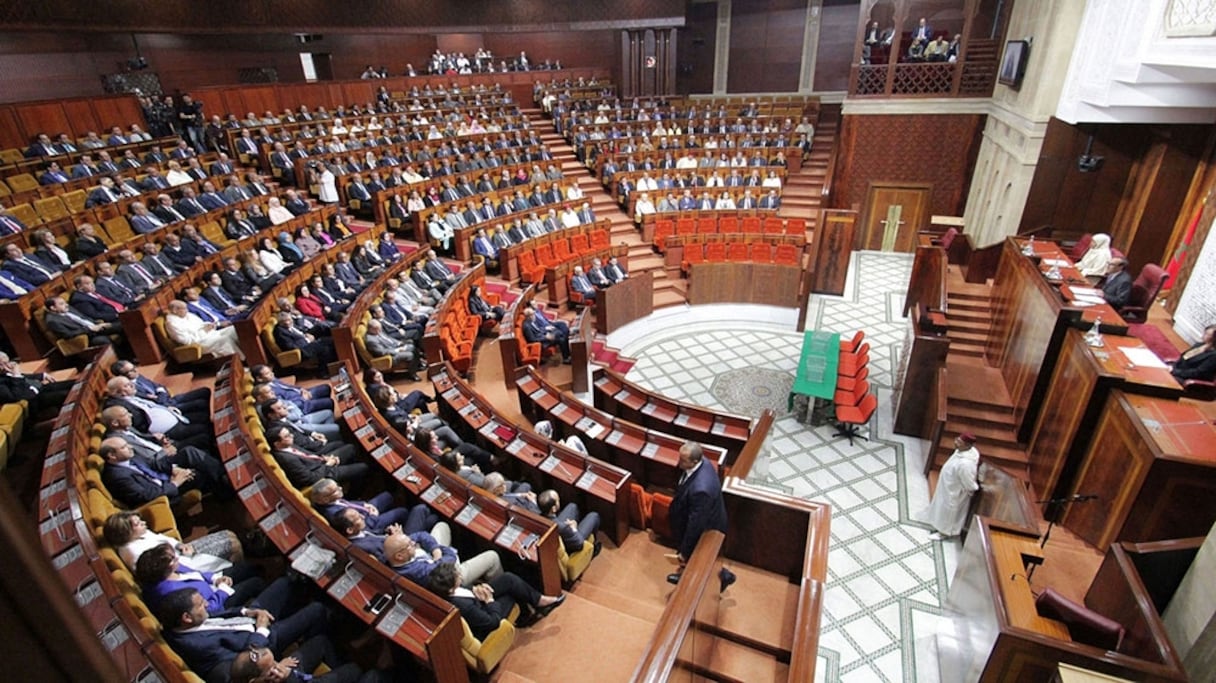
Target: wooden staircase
{"x": 976, "y": 398}
{"x": 802, "y": 196}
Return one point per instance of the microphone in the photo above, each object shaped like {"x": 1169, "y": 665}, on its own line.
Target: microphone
{"x": 1082, "y": 497}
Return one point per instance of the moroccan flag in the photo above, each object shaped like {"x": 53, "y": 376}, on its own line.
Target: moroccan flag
{"x": 1181, "y": 253}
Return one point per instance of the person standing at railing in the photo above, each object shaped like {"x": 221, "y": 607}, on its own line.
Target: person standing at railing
{"x": 696, "y": 508}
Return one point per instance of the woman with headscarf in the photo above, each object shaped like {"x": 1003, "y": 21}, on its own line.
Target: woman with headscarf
{"x": 1095, "y": 261}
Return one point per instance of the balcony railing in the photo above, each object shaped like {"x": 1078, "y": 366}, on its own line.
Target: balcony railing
{"x": 973, "y": 75}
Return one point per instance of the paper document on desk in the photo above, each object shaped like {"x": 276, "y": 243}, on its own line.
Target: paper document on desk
{"x": 1057, "y": 262}
{"x": 1145, "y": 358}
{"x": 1087, "y": 299}
{"x": 1085, "y": 291}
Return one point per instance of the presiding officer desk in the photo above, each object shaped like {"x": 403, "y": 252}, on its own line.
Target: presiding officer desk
{"x": 1001, "y": 637}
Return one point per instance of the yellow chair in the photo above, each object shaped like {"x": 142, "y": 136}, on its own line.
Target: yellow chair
{"x": 182, "y": 353}
{"x": 68, "y": 347}
{"x": 11, "y": 156}
{"x": 26, "y": 214}
{"x": 22, "y": 182}
{"x": 483, "y": 655}
{"x": 573, "y": 566}
{"x": 51, "y": 209}
{"x": 75, "y": 200}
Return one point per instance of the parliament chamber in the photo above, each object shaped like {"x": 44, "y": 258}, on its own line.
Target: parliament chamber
{"x": 253, "y": 255}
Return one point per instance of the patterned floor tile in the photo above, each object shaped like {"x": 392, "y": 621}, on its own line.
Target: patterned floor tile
{"x": 882, "y": 566}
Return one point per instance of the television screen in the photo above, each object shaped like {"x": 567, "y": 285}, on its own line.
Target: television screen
{"x": 1013, "y": 64}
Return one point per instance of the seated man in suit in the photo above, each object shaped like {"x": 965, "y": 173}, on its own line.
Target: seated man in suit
{"x": 308, "y": 400}
{"x": 66, "y": 323}
{"x": 53, "y": 174}
{"x": 43, "y": 392}
{"x": 25, "y": 266}
{"x": 598, "y": 276}
{"x": 614, "y": 271}
{"x": 416, "y": 555}
{"x": 580, "y": 283}
{"x": 484, "y": 605}
{"x": 211, "y": 643}
{"x": 135, "y": 275}
{"x": 259, "y": 664}
{"x": 154, "y": 418}
{"x": 1199, "y": 361}
{"x": 305, "y": 467}
{"x": 311, "y": 348}
{"x": 152, "y": 448}
{"x": 195, "y": 403}
{"x": 103, "y": 194}
{"x": 92, "y": 305}
{"x": 538, "y": 330}
{"x": 574, "y": 532}
{"x": 378, "y": 514}
{"x": 134, "y": 480}
{"x": 1117, "y": 287}
{"x": 404, "y": 355}
{"x": 354, "y": 525}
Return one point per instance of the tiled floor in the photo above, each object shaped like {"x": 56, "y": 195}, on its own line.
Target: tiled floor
{"x": 886, "y": 578}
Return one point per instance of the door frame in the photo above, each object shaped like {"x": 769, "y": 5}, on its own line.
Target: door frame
{"x": 875, "y": 185}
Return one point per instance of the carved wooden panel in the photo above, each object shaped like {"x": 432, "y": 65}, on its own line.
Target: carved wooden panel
{"x": 939, "y": 150}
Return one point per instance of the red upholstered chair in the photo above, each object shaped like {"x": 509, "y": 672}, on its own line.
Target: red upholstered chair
{"x": 736, "y": 251}
{"x": 773, "y": 225}
{"x": 580, "y": 244}
{"x": 852, "y": 363}
{"x": 663, "y": 229}
{"x": 561, "y": 250}
{"x": 851, "y": 397}
{"x": 600, "y": 239}
{"x": 529, "y": 270}
{"x": 751, "y": 225}
{"x": 795, "y": 226}
{"x": 844, "y": 383}
{"x": 1082, "y": 246}
{"x": 707, "y": 225}
{"x": 1084, "y": 624}
{"x": 851, "y": 345}
{"x": 728, "y": 224}
{"x": 946, "y": 239}
{"x": 761, "y": 252}
{"x": 686, "y": 226}
{"x": 1144, "y": 292}
{"x": 850, "y": 418}
{"x": 787, "y": 255}
{"x": 693, "y": 254}
{"x": 715, "y": 252}
{"x": 545, "y": 257}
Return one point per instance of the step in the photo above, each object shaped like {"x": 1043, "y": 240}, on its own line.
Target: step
{"x": 988, "y": 434}
{"x": 730, "y": 661}
{"x": 668, "y": 297}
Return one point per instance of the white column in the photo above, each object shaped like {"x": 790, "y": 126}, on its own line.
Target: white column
{"x": 722, "y": 48}
{"x": 810, "y": 46}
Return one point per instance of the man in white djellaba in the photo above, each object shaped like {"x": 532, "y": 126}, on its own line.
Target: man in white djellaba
{"x": 185, "y": 327}
{"x": 958, "y": 480}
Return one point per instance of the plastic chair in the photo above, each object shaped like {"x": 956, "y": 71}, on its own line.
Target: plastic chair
{"x": 850, "y": 418}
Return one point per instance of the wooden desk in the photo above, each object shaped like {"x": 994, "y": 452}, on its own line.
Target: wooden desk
{"x": 1029, "y": 316}
{"x": 752, "y": 283}
{"x": 1080, "y": 385}
{"x": 1153, "y": 467}
{"x": 624, "y": 302}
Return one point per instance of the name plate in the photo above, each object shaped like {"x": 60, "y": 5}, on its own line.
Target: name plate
{"x": 538, "y": 394}
{"x": 394, "y": 619}
{"x": 253, "y": 489}
{"x": 53, "y": 489}
{"x": 435, "y": 493}
{"x": 365, "y": 431}
{"x": 274, "y": 519}
{"x": 345, "y": 583}
{"x": 451, "y": 394}
{"x": 681, "y": 420}
{"x": 468, "y": 514}
{"x": 404, "y": 472}
{"x": 468, "y": 409}
{"x": 67, "y": 557}
{"x": 588, "y": 480}
{"x": 559, "y": 409}
{"x": 114, "y": 637}
{"x": 381, "y": 451}
{"x": 650, "y": 450}
{"x": 239, "y": 461}
{"x": 649, "y": 408}
{"x": 88, "y": 593}
{"x": 516, "y": 446}
{"x": 550, "y": 463}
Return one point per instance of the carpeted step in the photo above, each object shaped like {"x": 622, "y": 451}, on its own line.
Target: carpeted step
{"x": 669, "y": 297}
{"x": 731, "y": 661}
{"x": 623, "y": 365}
{"x": 589, "y": 590}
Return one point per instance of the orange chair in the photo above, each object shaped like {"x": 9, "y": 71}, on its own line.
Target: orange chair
{"x": 579, "y": 244}
{"x": 728, "y": 224}
{"x": 545, "y": 257}
{"x": 850, "y": 345}
{"x": 849, "y": 398}
{"x": 600, "y": 239}
{"x": 561, "y": 251}
{"x": 850, "y": 418}
{"x": 662, "y": 230}
{"x": 787, "y": 255}
{"x": 693, "y": 254}
{"x": 795, "y": 226}
{"x": 751, "y": 225}
{"x": 852, "y": 363}
{"x": 715, "y": 252}
{"x": 686, "y": 226}
{"x": 850, "y": 383}
{"x": 761, "y": 252}
{"x": 707, "y": 225}
{"x": 736, "y": 251}
{"x": 529, "y": 270}
{"x": 773, "y": 226}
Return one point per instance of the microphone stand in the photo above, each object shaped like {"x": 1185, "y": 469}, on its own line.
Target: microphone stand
{"x": 1051, "y": 522}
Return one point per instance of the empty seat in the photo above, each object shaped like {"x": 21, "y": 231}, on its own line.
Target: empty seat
{"x": 795, "y": 226}
{"x": 850, "y": 418}
{"x": 761, "y": 252}
{"x": 728, "y": 224}
{"x": 736, "y": 251}
{"x": 707, "y": 225}
{"x": 715, "y": 252}
{"x": 787, "y": 255}
{"x": 773, "y": 226}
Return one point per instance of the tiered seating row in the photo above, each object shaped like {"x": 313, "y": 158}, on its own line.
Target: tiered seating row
{"x": 658, "y": 230}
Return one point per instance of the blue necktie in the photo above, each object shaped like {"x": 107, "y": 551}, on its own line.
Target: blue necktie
{"x": 148, "y": 471}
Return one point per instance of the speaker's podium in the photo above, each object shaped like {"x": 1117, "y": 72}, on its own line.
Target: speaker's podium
{"x": 999, "y": 634}
{"x": 624, "y": 302}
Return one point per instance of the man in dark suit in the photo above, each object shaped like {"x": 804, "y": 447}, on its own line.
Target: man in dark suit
{"x": 41, "y": 147}
{"x": 160, "y": 454}
{"x": 696, "y": 508}
{"x": 92, "y": 305}
{"x": 166, "y": 211}
{"x": 1117, "y": 287}
{"x": 135, "y": 480}
{"x": 42, "y": 391}
{"x": 288, "y": 337}
{"x": 210, "y": 199}
{"x": 110, "y": 286}
{"x": 538, "y": 331}
{"x": 378, "y": 514}
{"x": 307, "y": 400}
{"x": 66, "y": 323}
{"x": 102, "y": 194}
{"x": 26, "y": 267}
{"x": 210, "y": 643}
{"x": 304, "y": 467}
{"x": 196, "y": 402}
{"x": 189, "y": 205}
{"x": 150, "y": 416}
{"x": 236, "y": 284}
{"x": 484, "y": 605}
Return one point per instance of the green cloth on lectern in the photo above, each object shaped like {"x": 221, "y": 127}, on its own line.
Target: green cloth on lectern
{"x": 817, "y": 366}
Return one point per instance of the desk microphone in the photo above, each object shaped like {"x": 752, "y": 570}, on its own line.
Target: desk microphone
{"x": 1082, "y": 497}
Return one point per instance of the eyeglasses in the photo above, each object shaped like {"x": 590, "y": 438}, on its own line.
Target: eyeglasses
{"x": 254, "y": 654}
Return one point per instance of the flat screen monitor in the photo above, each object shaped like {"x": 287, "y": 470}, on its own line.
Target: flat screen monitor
{"x": 1013, "y": 63}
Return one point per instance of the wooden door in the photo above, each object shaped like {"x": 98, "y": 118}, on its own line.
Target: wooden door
{"x": 894, "y": 213}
